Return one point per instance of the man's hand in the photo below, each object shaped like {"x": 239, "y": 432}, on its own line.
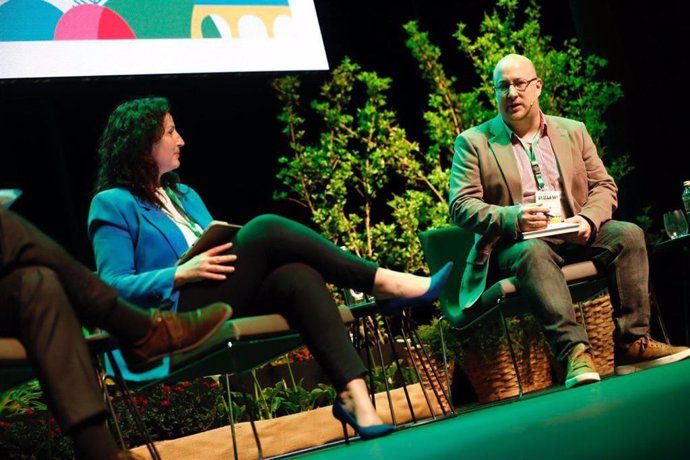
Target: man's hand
{"x": 532, "y": 217}
{"x": 583, "y": 233}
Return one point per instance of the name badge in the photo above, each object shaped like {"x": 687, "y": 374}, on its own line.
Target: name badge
{"x": 552, "y": 200}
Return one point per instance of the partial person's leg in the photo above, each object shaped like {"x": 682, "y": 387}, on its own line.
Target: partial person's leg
{"x": 96, "y": 304}
{"x": 537, "y": 269}
{"x": 299, "y": 292}
{"x": 620, "y": 247}
{"x": 22, "y": 245}
{"x": 37, "y": 311}
{"x": 270, "y": 241}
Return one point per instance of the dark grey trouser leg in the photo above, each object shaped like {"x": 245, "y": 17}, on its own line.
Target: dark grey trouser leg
{"x": 23, "y": 245}
{"x": 620, "y": 247}
{"x": 537, "y": 268}
{"x": 35, "y": 308}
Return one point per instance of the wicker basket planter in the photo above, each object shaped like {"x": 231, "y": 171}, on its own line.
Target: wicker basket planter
{"x": 599, "y": 325}
{"x": 484, "y": 355}
{"x": 434, "y": 377}
{"x": 494, "y": 377}
{"x": 492, "y": 374}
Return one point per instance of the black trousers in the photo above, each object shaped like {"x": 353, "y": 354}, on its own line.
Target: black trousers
{"x": 45, "y": 298}
{"x": 283, "y": 267}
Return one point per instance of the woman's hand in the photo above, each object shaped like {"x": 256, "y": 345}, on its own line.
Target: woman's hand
{"x": 209, "y": 265}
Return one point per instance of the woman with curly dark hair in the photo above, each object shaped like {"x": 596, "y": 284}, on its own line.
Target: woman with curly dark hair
{"x": 142, "y": 219}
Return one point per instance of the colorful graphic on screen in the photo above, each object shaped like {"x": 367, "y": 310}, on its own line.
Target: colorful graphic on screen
{"x": 27, "y": 20}
{"x": 43, "y": 38}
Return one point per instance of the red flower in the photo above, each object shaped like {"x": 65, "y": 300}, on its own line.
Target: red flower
{"x": 165, "y": 403}
{"x": 185, "y": 384}
{"x": 166, "y": 388}
{"x": 179, "y": 389}
{"x": 4, "y": 424}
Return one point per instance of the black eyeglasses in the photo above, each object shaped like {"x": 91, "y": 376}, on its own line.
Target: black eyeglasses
{"x": 520, "y": 85}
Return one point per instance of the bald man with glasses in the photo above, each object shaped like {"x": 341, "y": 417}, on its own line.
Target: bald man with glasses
{"x": 513, "y": 174}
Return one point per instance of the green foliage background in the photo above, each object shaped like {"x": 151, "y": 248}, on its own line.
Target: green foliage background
{"x": 371, "y": 188}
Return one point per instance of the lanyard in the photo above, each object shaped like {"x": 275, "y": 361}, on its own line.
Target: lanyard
{"x": 187, "y": 221}
{"x": 529, "y": 150}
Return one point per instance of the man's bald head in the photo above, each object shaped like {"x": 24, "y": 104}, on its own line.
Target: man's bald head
{"x": 513, "y": 60}
{"x": 517, "y": 93}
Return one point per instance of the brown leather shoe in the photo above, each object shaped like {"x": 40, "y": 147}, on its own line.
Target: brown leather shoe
{"x": 174, "y": 333}
{"x": 646, "y": 353}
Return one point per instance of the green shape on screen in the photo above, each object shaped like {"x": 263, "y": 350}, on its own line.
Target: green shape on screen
{"x": 156, "y": 18}
{"x": 209, "y": 29}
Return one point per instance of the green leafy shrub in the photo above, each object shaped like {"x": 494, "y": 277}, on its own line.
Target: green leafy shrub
{"x": 27, "y": 428}
{"x": 371, "y": 188}
{"x": 283, "y": 399}
{"x": 33, "y": 435}
{"x": 484, "y": 339}
{"x": 22, "y": 399}
{"x": 173, "y": 411}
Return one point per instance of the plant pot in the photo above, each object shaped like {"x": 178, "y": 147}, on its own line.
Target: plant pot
{"x": 599, "y": 325}
{"x": 489, "y": 366}
{"x": 436, "y": 379}
{"x": 495, "y": 379}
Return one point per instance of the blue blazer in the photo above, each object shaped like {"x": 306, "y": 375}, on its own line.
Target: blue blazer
{"x": 136, "y": 247}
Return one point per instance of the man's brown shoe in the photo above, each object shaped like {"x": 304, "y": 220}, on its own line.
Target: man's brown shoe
{"x": 581, "y": 368}
{"x": 174, "y": 333}
{"x": 646, "y": 353}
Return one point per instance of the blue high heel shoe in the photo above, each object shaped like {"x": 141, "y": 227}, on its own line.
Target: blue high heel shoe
{"x": 438, "y": 280}
{"x": 364, "y": 432}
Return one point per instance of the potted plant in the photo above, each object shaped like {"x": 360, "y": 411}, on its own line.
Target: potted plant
{"x": 483, "y": 354}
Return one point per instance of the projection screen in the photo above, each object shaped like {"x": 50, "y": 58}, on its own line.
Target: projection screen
{"x": 76, "y": 38}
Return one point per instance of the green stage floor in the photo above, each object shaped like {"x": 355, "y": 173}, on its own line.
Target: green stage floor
{"x": 639, "y": 416}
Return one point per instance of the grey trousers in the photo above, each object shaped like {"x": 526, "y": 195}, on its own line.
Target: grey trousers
{"x": 619, "y": 247}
